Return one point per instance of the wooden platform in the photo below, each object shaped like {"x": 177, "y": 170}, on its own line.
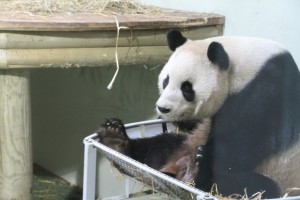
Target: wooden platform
{"x": 78, "y": 40}
{"x": 86, "y": 22}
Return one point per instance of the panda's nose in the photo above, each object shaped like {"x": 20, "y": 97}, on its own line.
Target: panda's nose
{"x": 163, "y": 110}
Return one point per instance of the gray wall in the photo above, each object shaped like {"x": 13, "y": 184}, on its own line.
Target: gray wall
{"x": 273, "y": 19}
{"x": 69, "y": 104}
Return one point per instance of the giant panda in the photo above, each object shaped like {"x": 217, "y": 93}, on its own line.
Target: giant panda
{"x": 249, "y": 88}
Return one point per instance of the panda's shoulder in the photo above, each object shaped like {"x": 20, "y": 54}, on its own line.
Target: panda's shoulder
{"x": 244, "y": 40}
{"x": 247, "y": 46}
{"x": 248, "y": 55}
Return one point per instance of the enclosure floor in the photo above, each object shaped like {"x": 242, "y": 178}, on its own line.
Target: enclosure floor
{"x": 47, "y": 186}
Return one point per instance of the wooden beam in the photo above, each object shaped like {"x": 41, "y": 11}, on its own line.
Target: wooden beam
{"x": 79, "y": 39}
{"x": 83, "y": 57}
{"x": 91, "y": 48}
{"x": 86, "y": 21}
{"x": 83, "y": 39}
{"x": 15, "y": 135}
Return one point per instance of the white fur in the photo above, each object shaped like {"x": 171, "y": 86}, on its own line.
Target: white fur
{"x": 212, "y": 85}
{"x": 284, "y": 169}
{"x": 247, "y": 56}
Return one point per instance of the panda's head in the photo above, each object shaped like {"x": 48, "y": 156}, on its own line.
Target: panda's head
{"x": 194, "y": 82}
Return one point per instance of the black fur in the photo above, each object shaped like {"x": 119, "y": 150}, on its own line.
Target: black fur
{"x": 166, "y": 82}
{"x": 188, "y": 91}
{"x": 261, "y": 120}
{"x": 217, "y": 55}
{"x": 163, "y": 110}
{"x": 155, "y": 151}
{"x": 175, "y": 39}
{"x": 187, "y": 126}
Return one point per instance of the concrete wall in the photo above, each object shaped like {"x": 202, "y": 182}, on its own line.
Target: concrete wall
{"x": 274, "y": 19}
{"x": 70, "y": 104}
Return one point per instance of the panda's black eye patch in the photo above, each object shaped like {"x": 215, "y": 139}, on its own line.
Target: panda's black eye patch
{"x": 187, "y": 91}
{"x": 165, "y": 82}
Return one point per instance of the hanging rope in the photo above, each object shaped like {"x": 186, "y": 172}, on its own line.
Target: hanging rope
{"x": 116, "y": 53}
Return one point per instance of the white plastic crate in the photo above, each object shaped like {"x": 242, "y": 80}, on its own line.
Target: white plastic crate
{"x": 159, "y": 181}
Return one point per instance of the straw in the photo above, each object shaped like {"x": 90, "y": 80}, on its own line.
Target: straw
{"x": 106, "y": 7}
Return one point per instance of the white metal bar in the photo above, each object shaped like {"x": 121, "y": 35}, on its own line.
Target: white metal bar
{"x": 127, "y": 186}
{"x": 121, "y": 197}
{"x": 287, "y": 198}
{"x": 89, "y": 173}
{"x": 142, "y": 130}
{"x": 148, "y": 122}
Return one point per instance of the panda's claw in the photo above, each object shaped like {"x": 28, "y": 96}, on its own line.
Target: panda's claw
{"x": 113, "y": 134}
{"x": 199, "y": 152}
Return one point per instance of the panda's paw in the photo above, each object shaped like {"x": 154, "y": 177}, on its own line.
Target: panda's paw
{"x": 113, "y": 134}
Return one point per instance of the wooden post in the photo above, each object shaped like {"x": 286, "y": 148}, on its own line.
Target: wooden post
{"x": 15, "y": 135}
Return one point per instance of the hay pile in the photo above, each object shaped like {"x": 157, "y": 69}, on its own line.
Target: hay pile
{"x": 106, "y": 7}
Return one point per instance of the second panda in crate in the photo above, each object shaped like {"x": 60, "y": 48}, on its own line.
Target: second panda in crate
{"x": 250, "y": 89}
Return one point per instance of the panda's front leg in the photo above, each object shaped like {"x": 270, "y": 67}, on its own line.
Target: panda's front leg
{"x": 113, "y": 134}
{"x": 152, "y": 151}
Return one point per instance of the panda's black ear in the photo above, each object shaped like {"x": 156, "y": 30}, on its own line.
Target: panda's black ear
{"x": 175, "y": 39}
{"x": 217, "y": 55}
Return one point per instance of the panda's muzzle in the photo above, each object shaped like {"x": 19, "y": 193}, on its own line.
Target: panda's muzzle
{"x": 163, "y": 110}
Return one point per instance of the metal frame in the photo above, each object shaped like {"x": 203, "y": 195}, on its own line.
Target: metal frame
{"x": 90, "y": 154}
{"x": 89, "y": 172}
{"x": 91, "y": 146}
